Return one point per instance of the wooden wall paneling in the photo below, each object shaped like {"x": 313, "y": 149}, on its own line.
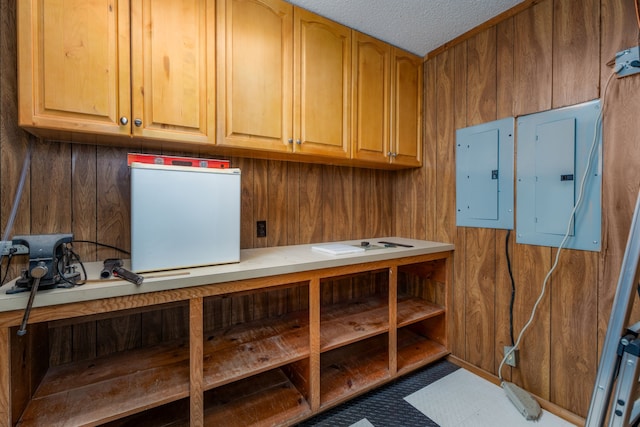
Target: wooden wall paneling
{"x": 84, "y": 200}
{"x": 368, "y": 199}
{"x": 503, "y": 291}
{"x": 50, "y": 188}
{"x": 573, "y": 354}
{"x": 361, "y": 193}
{"x": 429, "y": 150}
{"x": 261, "y": 200}
{"x": 410, "y": 204}
{"x": 460, "y": 261}
{"x": 19, "y": 369}
{"x": 445, "y": 190}
{"x": 83, "y": 341}
{"x": 242, "y": 308}
{"x": 175, "y": 324}
{"x": 294, "y": 187}
{"x": 61, "y": 345}
{"x": 151, "y": 324}
{"x": 480, "y": 249}
{"x": 621, "y": 177}
{"x": 278, "y": 214}
{"x": 247, "y": 219}
{"x": 504, "y": 108}
{"x": 8, "y": 91}
{"x": 29, "y": 363}
{"x": 260, "y": 305}
{"x": 533, "y": 59}
{"x": 310, "y": 207}
{"x": 113, "y": 191}
{"x": 383, "y": 211}
{"x": 337, "y": 203}
{"x": 118, "y": 334}
{"x": 195, "y": 331}
{"x": 337, "y": 215}
{"x": 403, "y": 200}
{"x": 576, "y": 56}
{"x": 277, "y": 302}
{"x": 533, "y": 88}
{"x": 573, "y": 290}
{"x": 13, "y": 141}
{"x": 6, "y": 418}
{"x": 481, "y": 77}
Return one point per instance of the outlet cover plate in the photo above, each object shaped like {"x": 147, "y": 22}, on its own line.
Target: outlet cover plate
{"x": 629, "y": 59}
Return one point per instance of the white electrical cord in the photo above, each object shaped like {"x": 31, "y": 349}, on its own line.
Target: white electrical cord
{"x": 594, "y": 144}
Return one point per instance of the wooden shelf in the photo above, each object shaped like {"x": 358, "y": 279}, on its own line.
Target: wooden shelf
{"x": 415, "y": 350}
{"x": 265, "y": 399}
{"x": 346, "y": 323}
{"x": 250, "y": 348}
{"x": 325, "y": 340}
{"x": 353, "y": 369}
{"x": 104, "y": 389}
{"x": 412, "y": 310}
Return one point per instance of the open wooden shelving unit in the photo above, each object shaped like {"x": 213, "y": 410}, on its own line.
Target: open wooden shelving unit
{"x": 267, "y": 351}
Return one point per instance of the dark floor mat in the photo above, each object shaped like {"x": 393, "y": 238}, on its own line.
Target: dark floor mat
{"x": 385, "y": 406}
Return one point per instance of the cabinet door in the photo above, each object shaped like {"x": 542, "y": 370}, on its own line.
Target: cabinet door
{"x": 173, "y": 77}
{"x": 255, "y": 74}
{"x": 322, "y": 61}
{"x": 370, "y": 102}
{"x": 73, "y": 65}
{"x": 406, "y": 116}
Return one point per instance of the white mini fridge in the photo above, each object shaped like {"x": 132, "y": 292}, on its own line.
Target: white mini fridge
{"x": 183, "y": 216}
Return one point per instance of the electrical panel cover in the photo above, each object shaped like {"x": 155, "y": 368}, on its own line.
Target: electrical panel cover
{"x": 484, "y": 175}
{"x": 555, "y": 148}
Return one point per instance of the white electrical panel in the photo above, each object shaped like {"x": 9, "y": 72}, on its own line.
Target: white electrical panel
{"x": 484, "y": 175}
{"x": 555, "y": 148}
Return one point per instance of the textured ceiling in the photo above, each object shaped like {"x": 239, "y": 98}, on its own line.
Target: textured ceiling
{"x": 418, "y": 26}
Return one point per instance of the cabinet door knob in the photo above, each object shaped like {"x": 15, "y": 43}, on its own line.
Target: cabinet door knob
{"x": 123, "y": 120}
{"x": 290, "y": 140}
{"x": 137, "y": 122}
{"x": 298, "y": 141}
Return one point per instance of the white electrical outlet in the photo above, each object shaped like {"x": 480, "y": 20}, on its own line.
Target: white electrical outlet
{"x": 628, "y": 61}
{"x": 513, "y": 357}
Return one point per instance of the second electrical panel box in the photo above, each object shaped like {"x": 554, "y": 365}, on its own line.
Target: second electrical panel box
{"x": 484, "y": 175}
{"x": 556, "y": 148}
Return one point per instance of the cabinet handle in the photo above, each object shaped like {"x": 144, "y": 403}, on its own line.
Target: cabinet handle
{"x": 124, "y": 121}
{"x": 137, "y": 122}
{"x": 298, "y": 142}
{"x": 290, "y": 140}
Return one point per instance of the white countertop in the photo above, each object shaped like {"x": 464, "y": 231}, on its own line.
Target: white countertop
{"x": 254, "y": 263}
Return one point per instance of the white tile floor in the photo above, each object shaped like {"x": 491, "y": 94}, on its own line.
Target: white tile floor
{"x": 464, "y": 399}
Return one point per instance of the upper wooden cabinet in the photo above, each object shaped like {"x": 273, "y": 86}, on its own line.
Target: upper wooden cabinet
{"x": 260, "y": 78}
{"x": 406, "y": 108}
{"x": 107, "y": 67}
{"x": 255, "y": 74}
{"x": 371, "y": 99}
{"x": 283, "y": 81}
{"x": 387, "y": 103}
{"x": 173, "y": 69}
{"x": 322, "y": 73}
{"x": 74, "y": 70}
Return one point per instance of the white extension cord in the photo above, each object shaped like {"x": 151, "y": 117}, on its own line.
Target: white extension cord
{"x": 521, "y": 399}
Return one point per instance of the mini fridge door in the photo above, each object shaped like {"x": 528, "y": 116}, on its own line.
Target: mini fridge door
{"x": 183, "y": 217}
